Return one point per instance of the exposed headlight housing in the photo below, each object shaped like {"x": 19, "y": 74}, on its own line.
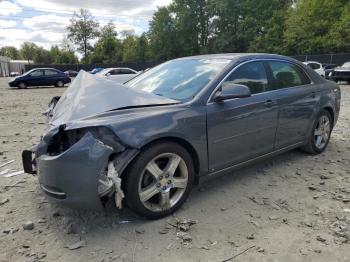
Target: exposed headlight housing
{"x": 64, "y": 139}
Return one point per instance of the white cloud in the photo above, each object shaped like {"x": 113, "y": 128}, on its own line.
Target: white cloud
{"x": 8, "y": 8}
{"x": 7, "y": 23}
{"x": 104, "y": 8}
{"x": 49, "y": 28}
{"x": 51, "y": 23}
{"x": 15, "y": 37}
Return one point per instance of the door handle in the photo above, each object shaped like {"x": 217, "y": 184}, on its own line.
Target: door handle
{"x": 269, "y": 103}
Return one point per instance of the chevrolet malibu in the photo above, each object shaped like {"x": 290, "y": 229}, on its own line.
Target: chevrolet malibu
{"x": 146, "y": 143}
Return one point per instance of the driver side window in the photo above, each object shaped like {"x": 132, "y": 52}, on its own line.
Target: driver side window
{"x": 252, "y": 75}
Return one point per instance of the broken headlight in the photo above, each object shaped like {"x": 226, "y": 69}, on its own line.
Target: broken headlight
{"x": 64, "y": 139}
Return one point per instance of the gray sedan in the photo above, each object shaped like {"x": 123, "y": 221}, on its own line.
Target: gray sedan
{"x": 146, "y": 143}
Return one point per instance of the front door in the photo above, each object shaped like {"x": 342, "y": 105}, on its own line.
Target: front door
{"x": 35, "y": 78}
{"x": 244, "y": 128}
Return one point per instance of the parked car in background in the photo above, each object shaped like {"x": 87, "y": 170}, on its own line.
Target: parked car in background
{"x": 40, "y": 77}
{"x": 96, "y": 70}
{"x": 119, "y": 75}
{"x": 341, "y": 73}
{"x": 71, "y": 73}
{"x": 316, "y": 66}
{"x": 145, "y": 143}
{"x": 328, "y": 68}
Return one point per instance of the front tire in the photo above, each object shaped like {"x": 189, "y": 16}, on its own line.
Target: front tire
{"x": 159, "y": 180}
{"x": 22, "y": 85}
{"x": 320, "y": 134}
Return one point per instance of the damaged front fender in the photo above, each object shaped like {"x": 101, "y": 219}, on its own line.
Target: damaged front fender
{"x": 82, "y": 166}
{"x": 72, "y": 176}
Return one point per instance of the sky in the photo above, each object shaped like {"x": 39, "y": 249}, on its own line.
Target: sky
{"x": 44, "y": 21}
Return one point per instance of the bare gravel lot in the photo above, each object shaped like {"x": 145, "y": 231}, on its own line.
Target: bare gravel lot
{"x": 293, "y": 207}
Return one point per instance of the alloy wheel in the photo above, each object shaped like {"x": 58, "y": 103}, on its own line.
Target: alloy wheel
{"x": 163, "y": 182}
{"x": 322, "y": 132}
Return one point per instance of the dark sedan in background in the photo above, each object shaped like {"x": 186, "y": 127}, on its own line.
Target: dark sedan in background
{"x": 341, "y": 73}
{"x": 146, "y": 142}
{"x": 328, "y": 69}
{"x": 40, "y": 77}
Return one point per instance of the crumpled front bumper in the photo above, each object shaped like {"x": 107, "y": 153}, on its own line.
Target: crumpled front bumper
{"x": 72, "y": 177}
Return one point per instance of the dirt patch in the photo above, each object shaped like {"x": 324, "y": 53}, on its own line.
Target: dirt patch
{"x": 293, "y": 207}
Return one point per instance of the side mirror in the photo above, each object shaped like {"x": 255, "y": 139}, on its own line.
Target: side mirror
{"x": 108, "y": 74}
{"x": 229, "y": 90}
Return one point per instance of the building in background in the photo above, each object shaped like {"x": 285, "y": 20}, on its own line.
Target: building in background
{"x": 4, "y": 66}
{"x": 19, "y": 65}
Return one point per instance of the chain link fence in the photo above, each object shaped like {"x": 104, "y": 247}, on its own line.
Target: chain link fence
{"x": 338, "y": 59}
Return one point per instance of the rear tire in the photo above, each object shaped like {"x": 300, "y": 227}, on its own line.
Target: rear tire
{"x": 159, "y": 180}
{"x": 320, "y": 134}
{"x": 60, "y": 83}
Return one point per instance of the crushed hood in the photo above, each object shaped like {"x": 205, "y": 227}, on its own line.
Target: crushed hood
{"x": 89, "y": 95}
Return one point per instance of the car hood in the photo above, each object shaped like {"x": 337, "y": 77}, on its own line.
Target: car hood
{"x": 90, "y": 95}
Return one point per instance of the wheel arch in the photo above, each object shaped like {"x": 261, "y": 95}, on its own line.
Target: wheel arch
{"x": 185, "y": 144}
{"x": 331, "y": 112}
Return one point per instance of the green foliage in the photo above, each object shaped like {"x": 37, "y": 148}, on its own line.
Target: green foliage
{"x": 10, "y": 51}
{"x": 309, "y": 26}
{"x": 188, "y": 27}
{"x": 28, "y": 50}
{"x": 108, "y": 48}
{"x": 163, "y": 35}
{"x": 82, "y": 29}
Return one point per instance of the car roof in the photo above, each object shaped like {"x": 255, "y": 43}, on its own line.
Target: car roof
{"x": 43, "y": 68}
{"x": 307, "y": 62}
{"x": 237, "y": 56}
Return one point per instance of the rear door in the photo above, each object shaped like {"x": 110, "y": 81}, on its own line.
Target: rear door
{"x": 51, "y": 77}
{"x": 297, "y": 97}
{"x": 244, "y": 128}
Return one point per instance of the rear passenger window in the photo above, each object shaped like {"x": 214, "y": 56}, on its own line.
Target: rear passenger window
{"x": 287, "y": 75}
{"x": 51, "y": 72}
{"x": 126, "y": 71}
{"x": 252, "y": 75}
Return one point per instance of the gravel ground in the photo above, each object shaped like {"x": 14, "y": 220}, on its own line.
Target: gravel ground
{"x": 293, "y": 207}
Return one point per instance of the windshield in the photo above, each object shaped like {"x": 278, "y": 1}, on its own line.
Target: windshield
{"x": 28, "y": 72}
{"x": 179, "y": 79}
{"x": 346, "y": 65}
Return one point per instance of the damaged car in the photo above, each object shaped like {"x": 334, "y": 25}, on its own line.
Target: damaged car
{"x": 147, "y": 142}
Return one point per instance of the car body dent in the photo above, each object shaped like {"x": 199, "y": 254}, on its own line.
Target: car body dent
{"x": 89, "y": 95}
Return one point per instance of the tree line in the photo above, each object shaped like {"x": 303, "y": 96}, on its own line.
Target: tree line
{"x": 191, "y": 27}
